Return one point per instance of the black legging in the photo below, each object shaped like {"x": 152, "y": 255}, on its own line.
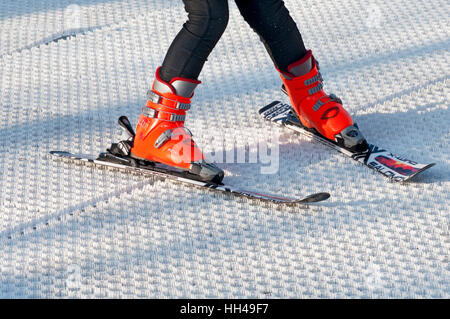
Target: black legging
{"x": 207, "y": 21}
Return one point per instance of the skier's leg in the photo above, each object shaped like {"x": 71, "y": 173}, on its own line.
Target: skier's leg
{"x": 193, "y": 44}
{"x": 300, "y": 73}
{"x": 160, "y": 133}
{"x": 271, "y": 20}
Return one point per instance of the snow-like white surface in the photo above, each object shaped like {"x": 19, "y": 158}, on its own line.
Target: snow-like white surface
{"x": 71, "y": 231}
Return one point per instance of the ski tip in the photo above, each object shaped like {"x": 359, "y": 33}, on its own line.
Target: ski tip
{"x": 265, "y": 108}
{"x": 59, "y": 153}
{"x": 314, "y": 198}
{"x": 412, "y": 177}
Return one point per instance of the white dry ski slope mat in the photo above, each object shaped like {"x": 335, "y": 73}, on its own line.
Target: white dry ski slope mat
{"x": 76, "y": 231}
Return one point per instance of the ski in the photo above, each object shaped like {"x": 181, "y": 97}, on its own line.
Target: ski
{"x": 395, "y": 167}
{"x": 165, "y": 173}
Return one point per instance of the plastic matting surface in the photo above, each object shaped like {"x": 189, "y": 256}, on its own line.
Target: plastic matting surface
{"x": 74, "y": 231}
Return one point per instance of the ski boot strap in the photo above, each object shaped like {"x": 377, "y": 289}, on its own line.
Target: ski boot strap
{"x": 166, "y": 109}
{"x": 171, "y": 134}
{"x": 163, "y": 115}
{"x": 173, "y": 104}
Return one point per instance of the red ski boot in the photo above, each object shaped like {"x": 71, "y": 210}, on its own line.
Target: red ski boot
{"x": 318, "y": 110}
{"x": 161, "y": 136}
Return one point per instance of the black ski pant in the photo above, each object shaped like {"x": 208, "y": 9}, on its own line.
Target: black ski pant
{"x": 207, "y": 20}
